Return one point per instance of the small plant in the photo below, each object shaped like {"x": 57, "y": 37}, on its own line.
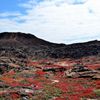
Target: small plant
{"x": 97, "y": 92}
{"x": 51, "y": 92}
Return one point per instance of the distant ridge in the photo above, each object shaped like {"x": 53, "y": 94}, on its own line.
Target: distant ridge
{"x": 22, "y": 46}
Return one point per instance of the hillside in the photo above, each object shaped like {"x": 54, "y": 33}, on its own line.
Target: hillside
{"x": 23, "y": 46}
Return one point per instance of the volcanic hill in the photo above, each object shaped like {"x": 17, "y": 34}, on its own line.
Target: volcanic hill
{"x": 17, "y": 47}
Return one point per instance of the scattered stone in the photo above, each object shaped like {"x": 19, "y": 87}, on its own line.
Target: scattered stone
{"x": 54, "y": 81}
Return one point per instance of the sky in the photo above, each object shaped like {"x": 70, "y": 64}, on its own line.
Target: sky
{"x": 58, "y": 21}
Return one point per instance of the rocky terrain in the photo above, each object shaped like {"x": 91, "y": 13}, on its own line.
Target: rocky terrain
{"x": 20, "y": 46}
{"x": 35, "y": 69}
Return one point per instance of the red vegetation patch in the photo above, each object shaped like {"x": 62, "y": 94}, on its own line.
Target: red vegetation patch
{"x": 40, "y": 73}
{"x": 93, "y": 66}
{"x": 14, "y": 95}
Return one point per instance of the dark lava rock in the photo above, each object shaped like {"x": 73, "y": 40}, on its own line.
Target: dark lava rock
{"x": 3, "y": 68}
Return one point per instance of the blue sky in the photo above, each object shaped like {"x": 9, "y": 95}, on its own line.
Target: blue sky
{"x": 10, "y": 5}
{"x": 60, "y": 21}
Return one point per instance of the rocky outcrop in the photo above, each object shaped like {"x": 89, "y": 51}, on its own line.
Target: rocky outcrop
{"x": 82, "y": 72}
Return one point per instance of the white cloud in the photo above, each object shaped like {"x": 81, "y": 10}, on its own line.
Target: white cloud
{"x": 65, "y": 21}
{"x": 8, "y": 14}
{"x": 76, "y": 1}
